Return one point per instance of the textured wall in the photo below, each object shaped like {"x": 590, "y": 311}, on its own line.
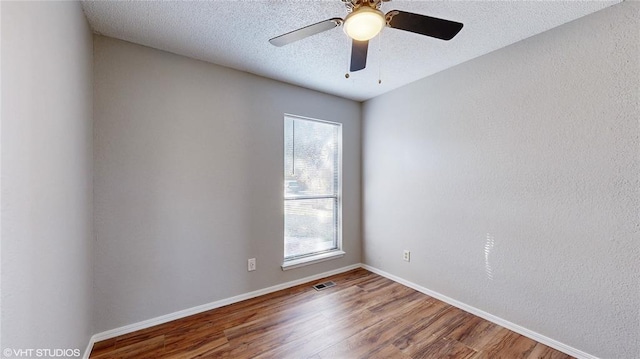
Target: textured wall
{"x": 189, "y": 171}
{"x": 513, "y": 180}
{"x": 47, "y": 217}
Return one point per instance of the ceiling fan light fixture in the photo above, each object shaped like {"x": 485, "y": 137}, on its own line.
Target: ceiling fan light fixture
{"x": 364, "y": 23}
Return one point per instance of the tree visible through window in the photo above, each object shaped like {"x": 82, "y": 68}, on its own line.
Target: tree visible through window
{"x": 311, "y": 187}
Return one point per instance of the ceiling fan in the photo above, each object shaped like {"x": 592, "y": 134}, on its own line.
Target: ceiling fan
{"x": 365, "y": 20}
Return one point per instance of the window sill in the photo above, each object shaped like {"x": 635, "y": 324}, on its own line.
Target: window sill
{"x": 296, "y": 263}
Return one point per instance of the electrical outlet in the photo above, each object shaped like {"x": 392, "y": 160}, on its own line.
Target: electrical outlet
{"x": 406, "y": 256}
{"x": 251, "y": 264}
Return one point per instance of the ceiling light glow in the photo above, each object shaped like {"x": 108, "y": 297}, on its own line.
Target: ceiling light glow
{"x": 364, "y": 23}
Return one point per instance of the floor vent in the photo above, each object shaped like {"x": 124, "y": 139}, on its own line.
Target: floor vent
{"x": 324, "y": 285}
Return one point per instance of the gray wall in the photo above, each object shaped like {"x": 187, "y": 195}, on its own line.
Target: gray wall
{"x": 189, "y": 181}
{"x": 513, "y": 180}
{"x": 47, "y": 217}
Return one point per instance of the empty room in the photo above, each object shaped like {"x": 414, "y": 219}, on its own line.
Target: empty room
{"x": 320, "y": 179}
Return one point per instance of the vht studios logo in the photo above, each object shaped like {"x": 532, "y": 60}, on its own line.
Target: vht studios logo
{"x": 40, "y": 353}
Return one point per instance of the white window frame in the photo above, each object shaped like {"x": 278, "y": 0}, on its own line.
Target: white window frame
{"x": 296, "y": 262}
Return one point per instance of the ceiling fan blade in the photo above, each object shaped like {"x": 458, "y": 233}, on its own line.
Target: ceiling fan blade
{"x": 423, "y": 25}
{"x": 359, "y": 55}
{"x": 306, "y": 31}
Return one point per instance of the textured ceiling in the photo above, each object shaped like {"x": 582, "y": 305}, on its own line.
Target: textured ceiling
{"x": 235, "y": 34}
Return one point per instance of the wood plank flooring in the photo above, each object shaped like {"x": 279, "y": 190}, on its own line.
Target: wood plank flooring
{"x": 363, "y": 316}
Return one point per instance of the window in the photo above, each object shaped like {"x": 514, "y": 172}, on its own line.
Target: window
{"x": 312, "y": 156}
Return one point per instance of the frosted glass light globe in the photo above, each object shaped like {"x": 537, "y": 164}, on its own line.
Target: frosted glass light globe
{"x": 364, "y": 23}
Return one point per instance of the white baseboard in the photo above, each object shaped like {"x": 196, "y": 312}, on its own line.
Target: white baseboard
{"x": 87, "y": 351}
{"x": 202, "y": 308}
{"x": 490, "y": 317}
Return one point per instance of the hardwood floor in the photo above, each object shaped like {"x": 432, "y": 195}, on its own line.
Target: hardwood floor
{"x": 363, "y": 316}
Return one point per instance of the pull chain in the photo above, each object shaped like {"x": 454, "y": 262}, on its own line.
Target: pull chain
{"x": 381, "y": 56}
{"x": 346, "y": 75}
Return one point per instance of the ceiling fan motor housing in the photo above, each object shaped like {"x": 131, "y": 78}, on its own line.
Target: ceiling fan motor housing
{"x": 353, "y": 5}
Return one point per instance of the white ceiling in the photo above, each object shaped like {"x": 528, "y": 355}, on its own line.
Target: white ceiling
{"x": 235, "y": 34}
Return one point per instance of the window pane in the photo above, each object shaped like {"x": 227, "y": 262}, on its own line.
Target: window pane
{"x": 311, "y": 158}
{"x": 309, "y": 226}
